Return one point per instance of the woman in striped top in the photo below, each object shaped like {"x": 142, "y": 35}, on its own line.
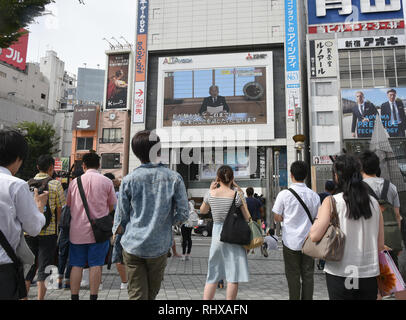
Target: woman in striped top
{"x": 226, "y": 261}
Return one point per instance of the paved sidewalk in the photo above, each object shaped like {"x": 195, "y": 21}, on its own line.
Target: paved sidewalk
{"x": 185, "y": 280}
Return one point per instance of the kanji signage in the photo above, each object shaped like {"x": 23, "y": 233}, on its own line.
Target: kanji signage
{"x": 141, "y": 55}
{"x": 371, "y": 42}
{"x": 323, "y": 58}
{"x": 354, "y": 15}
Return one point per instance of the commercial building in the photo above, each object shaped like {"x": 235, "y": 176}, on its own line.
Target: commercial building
{"x": 357, "y": 60}
{"x": 254, "y": 52}
{"x": 24, "y": 90}
{"x": 115, "y": 119}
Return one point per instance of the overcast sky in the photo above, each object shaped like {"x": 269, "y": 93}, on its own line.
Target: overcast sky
{"x": 75, "y": 31}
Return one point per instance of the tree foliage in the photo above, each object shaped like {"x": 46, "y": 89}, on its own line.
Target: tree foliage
{"x": 41, "y": 140}
{"x": 18, "y": 14}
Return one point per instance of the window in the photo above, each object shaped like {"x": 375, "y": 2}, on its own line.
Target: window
{"x": 110, "y": 161}
{"x": 326, "y": 148}
{"x": 84, "y": 143}
{"x": 368, "y": 68}
{"x": 230, "y": 81}
{"x": 112, "y": 135}
{"x": 325, "y": 118}
{"x": 43, "y": 96}
{"x": 324, "y": 89}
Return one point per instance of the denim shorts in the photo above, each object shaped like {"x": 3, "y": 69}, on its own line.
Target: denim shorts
{"x": 93, "y": 254}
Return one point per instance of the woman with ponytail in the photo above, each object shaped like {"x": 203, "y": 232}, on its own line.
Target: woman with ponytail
{"x": 354, "y": 277}
{"x": 226, "y": 261}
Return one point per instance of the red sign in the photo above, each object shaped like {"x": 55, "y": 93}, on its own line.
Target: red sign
{"x": 361, "y": 26}
{"x": 58, "y": 165}
{"x": 16, "y": 54}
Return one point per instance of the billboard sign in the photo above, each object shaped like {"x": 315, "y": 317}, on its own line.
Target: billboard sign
{"x": 363, "y": 107}
{"x": 84, "y": 118}
{"x": 354, "y": 15}
{"x": 371, "y": 42}
{"x": 117, "y": 81}
{"x": 16, "y": 54}
{"x": 141, "y": 55}
{"x": 323, "y": 58}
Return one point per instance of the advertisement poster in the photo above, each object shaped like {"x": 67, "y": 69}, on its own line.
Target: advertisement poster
{"x": 117, "y": 81}
{"x": 16, "y": 54}
{"x": 363, "y": 107}
{"x": 217, "y": 96}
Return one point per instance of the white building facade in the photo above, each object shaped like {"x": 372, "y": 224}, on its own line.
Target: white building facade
{"x": 253, "y": 51}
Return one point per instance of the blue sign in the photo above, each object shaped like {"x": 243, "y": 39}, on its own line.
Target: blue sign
{"x": 291, "y": 36}
{"x": 352, "y": 11}
{"x": 142, "y": 24}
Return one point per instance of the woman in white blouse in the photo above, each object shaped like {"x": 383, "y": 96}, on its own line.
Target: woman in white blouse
{"x": 354, "y": 277}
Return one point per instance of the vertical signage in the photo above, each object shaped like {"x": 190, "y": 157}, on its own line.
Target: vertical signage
{"x": 141, "y": 62}
{"x": 323, "y": 58}
{"x": 292, "y": 57}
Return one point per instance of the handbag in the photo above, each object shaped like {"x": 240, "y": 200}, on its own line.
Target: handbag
{"x": 256, "y": 235}
{"x": 102, "y": 227}
{"x": 390, "y": 280}
{"x": 18, "y": 265}
{"x": 65, "y": 218}
{"x": 23, "y": 252}
{"x": 331, "y": 246}
{"x": 235, "y": 229}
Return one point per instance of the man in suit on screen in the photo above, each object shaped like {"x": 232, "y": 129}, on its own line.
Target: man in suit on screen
{"x": 393, "y": 115}
{"x": 214, "y": 103}
{"x": 363, "y": 117}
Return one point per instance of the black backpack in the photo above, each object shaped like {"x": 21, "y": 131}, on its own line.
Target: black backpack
{"x": 393, "y": 236}
{"x": 42, "y": 185}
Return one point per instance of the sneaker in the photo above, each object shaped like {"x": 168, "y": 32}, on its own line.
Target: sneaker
{"x": 66, "y": 286}
{"x": 183, "y": 258}
{"x": 123, "y": 286}
{"x": 264, "y": 251}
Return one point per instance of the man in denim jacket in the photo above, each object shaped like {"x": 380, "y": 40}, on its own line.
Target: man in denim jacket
{"x": 151, "y": 200}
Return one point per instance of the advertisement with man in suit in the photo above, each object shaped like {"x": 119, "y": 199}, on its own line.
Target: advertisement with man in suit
{"x": 363, "y": 117}
{"x": 393, "y": 115}
{"x": 214, "y": 103}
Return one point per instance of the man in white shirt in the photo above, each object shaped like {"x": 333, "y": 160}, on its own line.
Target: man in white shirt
{"x": 299, "y": 268}
{"x": 19, "y": 211}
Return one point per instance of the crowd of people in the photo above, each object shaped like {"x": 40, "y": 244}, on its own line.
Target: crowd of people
{"x": 138, "y": 215}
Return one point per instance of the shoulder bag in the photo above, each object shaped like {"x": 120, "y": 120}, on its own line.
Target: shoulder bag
{"x": 18, "y": 265}
{"x": 331, "y": 246}
{"x": 102, "y": 227}
{"x": 235, "y": 229}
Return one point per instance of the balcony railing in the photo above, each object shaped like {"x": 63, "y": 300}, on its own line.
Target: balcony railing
{"x": 105, "y": 140}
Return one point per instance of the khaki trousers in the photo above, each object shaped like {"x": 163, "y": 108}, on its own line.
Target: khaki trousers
{"x": 144, "y": 276}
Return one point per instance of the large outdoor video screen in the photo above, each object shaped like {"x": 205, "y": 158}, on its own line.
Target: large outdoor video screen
{"x": 216, "y": 90}
{"x": 362, "y": 108}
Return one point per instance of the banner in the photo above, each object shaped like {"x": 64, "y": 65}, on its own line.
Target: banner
{"x": 323, "y": 58}
{"x": 16, "y": 54}
{"x": 117, "y": 81}
{"x": 363, "y": 107}
{"x": 141, "y": 55}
